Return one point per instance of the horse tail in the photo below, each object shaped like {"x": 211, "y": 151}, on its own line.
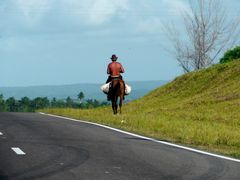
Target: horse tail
{"x": 115, "y": 87}
{"x": 118, "y": 90}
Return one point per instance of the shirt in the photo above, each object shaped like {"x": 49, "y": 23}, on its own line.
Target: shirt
{"x": 114, "y": 69}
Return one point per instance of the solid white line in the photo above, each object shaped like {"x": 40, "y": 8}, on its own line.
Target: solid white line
{"x": 150, "y": 139}
{"x": 18, "y": 151}
{"x": 1, "y": 133}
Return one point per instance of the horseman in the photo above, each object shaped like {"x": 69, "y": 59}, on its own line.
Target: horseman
{"x": 114, "y": 70}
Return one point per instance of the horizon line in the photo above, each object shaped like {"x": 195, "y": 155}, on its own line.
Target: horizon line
{"x": 70, "y": 84}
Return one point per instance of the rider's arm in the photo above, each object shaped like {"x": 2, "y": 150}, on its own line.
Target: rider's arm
{"x": 108, "y": 70}
{"x": 122, "y": 69}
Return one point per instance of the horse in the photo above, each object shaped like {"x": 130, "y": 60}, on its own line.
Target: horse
{"x": 117, "y": 90}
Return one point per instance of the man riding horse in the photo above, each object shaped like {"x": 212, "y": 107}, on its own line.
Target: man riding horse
{"x": 114, "y": 70}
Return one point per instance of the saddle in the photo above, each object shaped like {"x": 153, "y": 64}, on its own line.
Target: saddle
{"x": 116, "y": 78}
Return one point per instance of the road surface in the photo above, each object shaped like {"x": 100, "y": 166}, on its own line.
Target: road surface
{"x": 36, "y": 146}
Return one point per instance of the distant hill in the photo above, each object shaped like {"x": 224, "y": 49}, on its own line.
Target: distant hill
{"x": 91, "y": 91}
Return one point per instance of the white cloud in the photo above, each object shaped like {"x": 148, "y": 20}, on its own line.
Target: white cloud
{"x": 88, "y": 12}
{"x": 176, "y": 7}
{"x": 94, "y": 12}
{"x": 33, "y": 10}
{"x": 143, "y": 16}
{"x": 149, "y": 16}
{"x": 103, "y": 10}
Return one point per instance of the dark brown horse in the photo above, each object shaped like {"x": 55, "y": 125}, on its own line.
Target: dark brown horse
{"x": 117, "y": 90}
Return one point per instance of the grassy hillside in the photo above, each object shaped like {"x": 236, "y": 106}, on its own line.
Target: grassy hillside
{"x": 200, "y": 109}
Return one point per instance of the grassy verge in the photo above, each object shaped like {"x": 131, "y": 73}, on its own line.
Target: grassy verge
{"x": 200, "y": 109}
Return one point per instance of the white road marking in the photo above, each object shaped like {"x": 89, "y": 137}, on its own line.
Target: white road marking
{"x": 18, "y": 151}
{"x": 1, "y": 133}
{"x": 149, "y": 139}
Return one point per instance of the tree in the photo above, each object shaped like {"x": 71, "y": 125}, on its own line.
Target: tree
{"x": 40, "y": 103}
{"x": 24, "y": 104}
{"x": 54, "y": 102}
{"x": 231, "y": 55}
{"x": 69, "y": 102}
{"x": 12, "y": 104}
{"x": 208, "y": 32}
{"x": 60, "y": 103}
{"x": 2, "y": 104}
{"x": 81, "y": 96}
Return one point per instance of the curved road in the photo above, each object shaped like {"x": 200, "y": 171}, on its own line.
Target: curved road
{"x": 54, "y": 148}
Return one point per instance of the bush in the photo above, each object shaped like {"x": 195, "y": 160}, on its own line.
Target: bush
{"x": 231, "y": 55}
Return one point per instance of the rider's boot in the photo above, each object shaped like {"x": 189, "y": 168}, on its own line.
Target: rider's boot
{"x": 108, "y": 97}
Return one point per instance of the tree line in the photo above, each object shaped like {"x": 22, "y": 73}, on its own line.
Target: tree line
{"x": 25, "y": 104}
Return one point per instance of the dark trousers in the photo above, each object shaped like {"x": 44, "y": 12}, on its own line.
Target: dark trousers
{"x": 111, "y": 78}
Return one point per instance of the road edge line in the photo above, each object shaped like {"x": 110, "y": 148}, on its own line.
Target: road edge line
{"x": 146, "y": 138}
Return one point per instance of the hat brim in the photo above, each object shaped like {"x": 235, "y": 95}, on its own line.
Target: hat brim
{"x": 114, "y": 57}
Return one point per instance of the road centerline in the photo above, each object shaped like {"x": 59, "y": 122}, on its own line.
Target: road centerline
{"x": 18, "y": 151}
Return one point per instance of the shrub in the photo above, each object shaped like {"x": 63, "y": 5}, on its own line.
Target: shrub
{"x": 231, "y": 55}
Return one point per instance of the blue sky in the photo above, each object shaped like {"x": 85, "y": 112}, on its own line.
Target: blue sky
{"x": 49, "y": 42}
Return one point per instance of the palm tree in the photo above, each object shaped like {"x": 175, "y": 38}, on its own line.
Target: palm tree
{"x": 81, "y": 96}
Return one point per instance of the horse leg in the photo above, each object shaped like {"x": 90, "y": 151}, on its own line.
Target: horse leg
{"x": 120, "y": 104}
{"x": 121, "y": 95}
{"x": 114, "y": 106}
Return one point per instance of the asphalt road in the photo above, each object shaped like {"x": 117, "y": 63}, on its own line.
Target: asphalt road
{"x": 61, "y": 149}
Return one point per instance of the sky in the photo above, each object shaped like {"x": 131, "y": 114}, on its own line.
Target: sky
{"x": 56, "y": 42}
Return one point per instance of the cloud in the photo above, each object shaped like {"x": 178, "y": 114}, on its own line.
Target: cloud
{"x": 156, "y": 14}
{"x": 107, "y": 9}
{"x": 94, "y": 12}
{"x": 141, "y": 16}
{"x": 176, "y": 7}
{"x": 33, "y": 10}
{"x": 89, "y": 12}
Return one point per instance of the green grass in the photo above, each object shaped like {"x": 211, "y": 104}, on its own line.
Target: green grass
{"x": 199, "y": 109}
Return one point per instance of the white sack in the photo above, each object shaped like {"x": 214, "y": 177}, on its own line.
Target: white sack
{"x": 105, "y": 88}
{"x": 128, "y": 89}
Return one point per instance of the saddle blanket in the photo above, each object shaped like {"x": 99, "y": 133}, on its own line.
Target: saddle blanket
{"x": 105, "y": 88}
